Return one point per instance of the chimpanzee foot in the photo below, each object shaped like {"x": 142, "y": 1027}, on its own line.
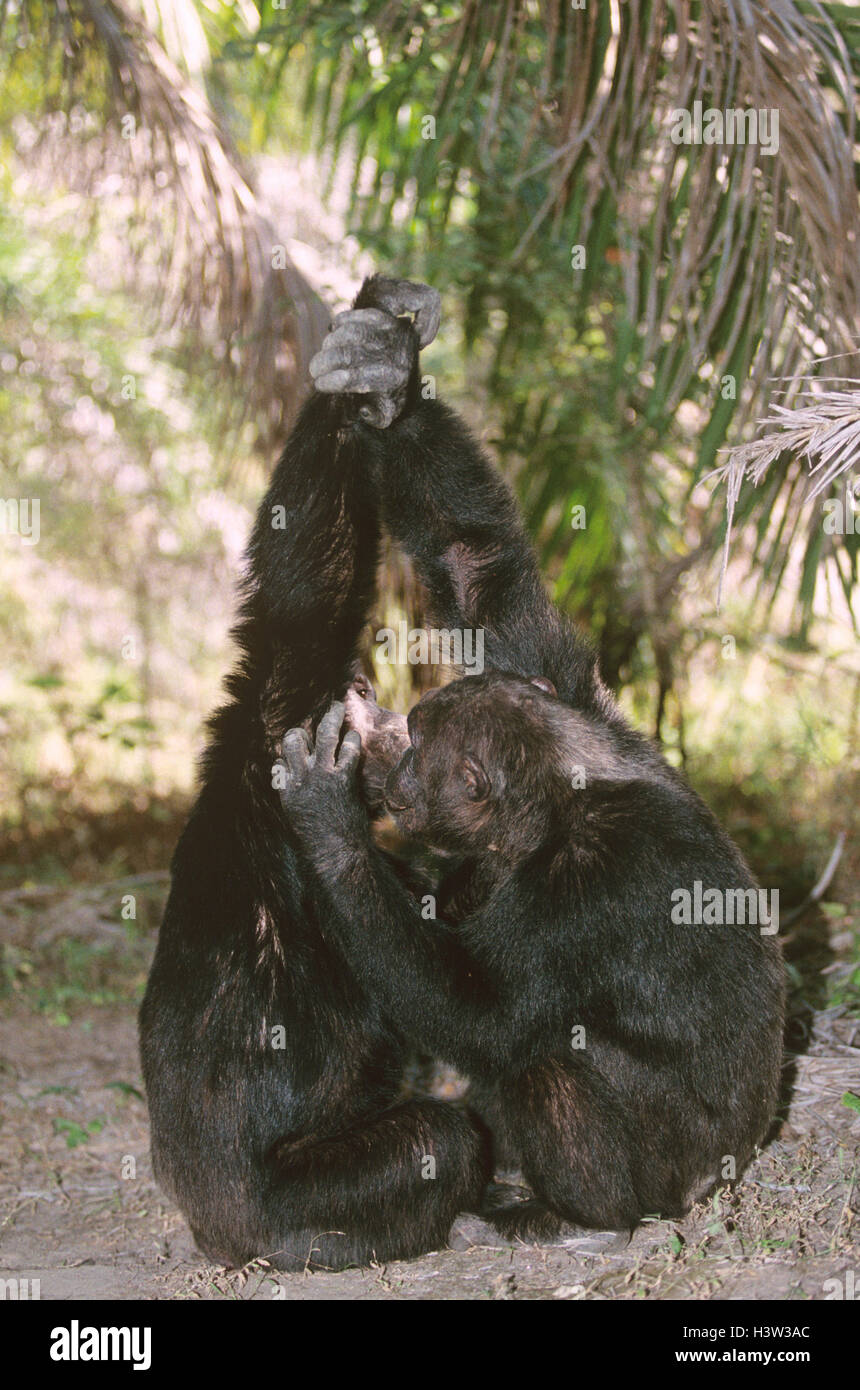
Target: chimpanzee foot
{"x": 372, "y": 349}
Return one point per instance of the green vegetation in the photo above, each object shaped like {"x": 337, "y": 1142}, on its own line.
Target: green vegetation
{"x": 179, "y": 195}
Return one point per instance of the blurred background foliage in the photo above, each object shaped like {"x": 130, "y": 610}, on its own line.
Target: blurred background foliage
{"x": 189, "y": 187}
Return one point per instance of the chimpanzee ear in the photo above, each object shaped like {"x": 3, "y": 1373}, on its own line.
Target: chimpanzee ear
{"x": 543, "y": 683}
{"x": 476, "y": 779}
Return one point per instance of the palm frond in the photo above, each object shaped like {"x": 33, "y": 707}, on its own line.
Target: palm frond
{"x": 217, "y": 273}
{"x": 824, "y": 426}
{"x": 821, "y": 427}
{"x": 704, "y": 264}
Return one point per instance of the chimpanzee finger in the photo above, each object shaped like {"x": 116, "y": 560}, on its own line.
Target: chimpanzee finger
{"x": 298, "y": 736}
{"x": 349, "y": 358}
{"x": 357, "y": 321}
{"x": 296, "y": 752}
{"x": 350, "y": 752}
{"x": 426, "y": 304}
{"x": 353, "y": 335}
{"x": 410, "y": 296}
{"x": 333, "y": 383}
{"x": 391, "y": 356}
{"x": 347, "y": 352}
{"x": 328, "y": 733}
{"x": 363, "y": 379}
{"x": 285, "y": 781}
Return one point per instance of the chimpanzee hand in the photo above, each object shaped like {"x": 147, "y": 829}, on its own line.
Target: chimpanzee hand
{"x": 400, "y": 297}
{"x": 318, "y": 789}
{"x": 372, "y": 350}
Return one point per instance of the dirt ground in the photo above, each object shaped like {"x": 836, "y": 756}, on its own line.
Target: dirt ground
{"x": 81, "y": 1213}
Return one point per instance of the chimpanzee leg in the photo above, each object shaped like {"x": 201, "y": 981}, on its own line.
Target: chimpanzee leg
{"x": 387, "y": 1189}
{"x": 587, "y": 1154}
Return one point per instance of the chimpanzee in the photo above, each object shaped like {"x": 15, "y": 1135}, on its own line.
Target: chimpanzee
{"x": 274, "y": 1078}
{"x": 625, "y": 1061}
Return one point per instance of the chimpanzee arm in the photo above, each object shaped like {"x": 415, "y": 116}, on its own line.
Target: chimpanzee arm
{"x": 443, "y": 500}
{"x": 446, "y": 504}
{"x": 420, "y": 972}
{"x": 449, "y": 508}
{"x": 313, "y": 552}
{"x": 312, "y": 562}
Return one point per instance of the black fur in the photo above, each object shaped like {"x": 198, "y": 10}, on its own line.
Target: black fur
{"x": 304, "y": 1153}
{"x": 557, "y": 911}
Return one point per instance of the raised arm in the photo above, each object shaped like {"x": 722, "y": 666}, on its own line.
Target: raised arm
{"x": 448, "y": 507}
{"x": 443, "y": 500}
{"x": 314, "y": 549}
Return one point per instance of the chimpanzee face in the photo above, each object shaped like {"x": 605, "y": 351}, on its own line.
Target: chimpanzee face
{"x": 384, "y": 738}
{"x": 478, "y": 751}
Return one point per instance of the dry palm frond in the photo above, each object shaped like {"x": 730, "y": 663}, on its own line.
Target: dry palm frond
{"x": 822, "y": 427}
{"x": 218, "y": 244}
